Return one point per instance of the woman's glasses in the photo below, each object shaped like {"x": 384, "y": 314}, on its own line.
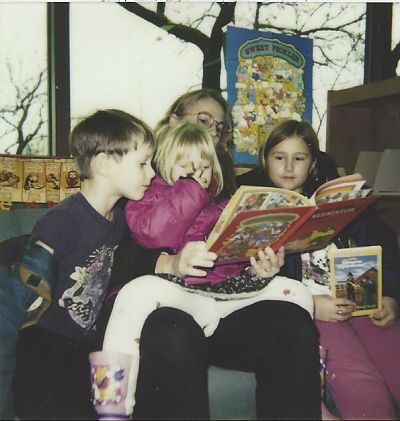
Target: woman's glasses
{"x": 207, "y": 121}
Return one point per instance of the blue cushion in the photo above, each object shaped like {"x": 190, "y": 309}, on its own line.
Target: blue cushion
{"x": 232, "y": 394}
{"x": 18, "y": 221}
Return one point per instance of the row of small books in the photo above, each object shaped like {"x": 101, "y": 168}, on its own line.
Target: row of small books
{"x": 37, "y": 179}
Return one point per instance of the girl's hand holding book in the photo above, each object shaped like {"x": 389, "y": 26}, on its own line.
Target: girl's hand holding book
{"x": 188, "y": 262}
{"x": 386, "y": 317}
{"x": 329, "y": 309}
{"x": 268, "y": 263}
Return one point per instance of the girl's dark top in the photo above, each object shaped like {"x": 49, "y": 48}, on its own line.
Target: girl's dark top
{"x": 368, "y": 229}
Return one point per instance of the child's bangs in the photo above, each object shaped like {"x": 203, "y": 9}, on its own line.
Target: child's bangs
{"x": 186, "y": 150}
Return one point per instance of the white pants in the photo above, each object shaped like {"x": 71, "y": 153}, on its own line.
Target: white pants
{"x": 141, "y": 296}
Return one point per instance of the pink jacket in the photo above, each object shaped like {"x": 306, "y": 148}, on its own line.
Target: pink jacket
{"x": 169, "y": 216}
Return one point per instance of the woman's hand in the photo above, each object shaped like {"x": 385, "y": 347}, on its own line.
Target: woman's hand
{"x": 268, "y": 263}
{"x": 387, "y": 316}
{"x": 329, "y": 309}
{"x": 188, "y": 261}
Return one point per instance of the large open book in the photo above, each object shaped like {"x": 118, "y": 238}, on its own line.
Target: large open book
{"x": 256, "y": 217}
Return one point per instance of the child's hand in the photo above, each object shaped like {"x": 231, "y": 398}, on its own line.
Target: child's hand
{"x": 387, "y": 316}
{"x": 192, "y": 257}
{"x": 329, "y": 309}
{"x": 188, "y": 261}
{"x": 203, "y": 176}
{"x": 268, "y": 263}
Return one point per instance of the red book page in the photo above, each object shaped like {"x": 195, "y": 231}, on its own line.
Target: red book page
{"x": 330, "y": 218}
{"x": 300, "y": 229}
{"x": 254, "y": 230}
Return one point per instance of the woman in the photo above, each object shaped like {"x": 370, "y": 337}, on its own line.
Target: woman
{"x": 276, "y": 340}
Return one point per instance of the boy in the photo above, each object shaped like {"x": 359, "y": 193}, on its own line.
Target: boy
{"x": 113, "y": 151}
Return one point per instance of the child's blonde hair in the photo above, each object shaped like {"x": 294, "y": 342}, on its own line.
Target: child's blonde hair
{"x": 224, "y": 147}
{"x": 178, "y": 142}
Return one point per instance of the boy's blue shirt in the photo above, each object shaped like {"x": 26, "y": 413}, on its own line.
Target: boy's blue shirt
{"x": 72, "y": 282}
{"x": 84, "y": 243}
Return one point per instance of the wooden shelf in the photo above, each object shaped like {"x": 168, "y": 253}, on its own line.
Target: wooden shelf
{"x": 389, "y": 194}
{"x": 361, "y": 95}
{"x": 366, "y": 117}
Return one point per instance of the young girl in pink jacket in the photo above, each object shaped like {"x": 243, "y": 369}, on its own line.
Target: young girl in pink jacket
{"x": 182, "y": 205}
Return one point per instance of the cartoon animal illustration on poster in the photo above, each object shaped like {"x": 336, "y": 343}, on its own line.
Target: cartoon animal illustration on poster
{"x": 266, "y": 85}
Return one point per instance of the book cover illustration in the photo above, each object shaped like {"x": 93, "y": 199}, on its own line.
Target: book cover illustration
{"x": 253, "y": 230}
{"x": 11, "y": 174}
{"x": 249, "y": 199}
{"x": 342, "y": 188}
{"x": 34, "y": 181}
{"x": 325, "y": 223}
{"x": 53, "y": 175}
{"x": 273, "y": 198}
{"x": 344, "y": 191}
{"x": 257, "y": 217}
{"x": 70, "y": 181}
{"x": 356, "y": 274}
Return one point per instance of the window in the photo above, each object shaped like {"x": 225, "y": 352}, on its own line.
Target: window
{"x": 23, "y": 79}
{"x": 121, "y": 61}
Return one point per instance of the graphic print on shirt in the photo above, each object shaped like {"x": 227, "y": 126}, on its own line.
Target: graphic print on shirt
{"x": 84, "y": 299}
{"x": 315, "y": 265}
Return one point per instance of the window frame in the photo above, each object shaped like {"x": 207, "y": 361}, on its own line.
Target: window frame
{"x": 58, "y": 53}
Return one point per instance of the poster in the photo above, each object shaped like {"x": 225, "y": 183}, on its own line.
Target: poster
{"x": 269, "y": 80}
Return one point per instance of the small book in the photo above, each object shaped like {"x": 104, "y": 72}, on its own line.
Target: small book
{"x": 256, "y": 217}
{"x": 356, "y": 274}
{"x": 34, "y": 180}
{"x": 11, "y": 177}
{"x": 70, "y": 181}
{"x": 53, "y": 175}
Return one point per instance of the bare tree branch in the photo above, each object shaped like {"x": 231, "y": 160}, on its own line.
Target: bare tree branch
{"x": 160, "y": 7}
{"x": 27, "y": 107}
{"x": 210, "y": 46}
{"x": 394, "y": 59}
{"x": 212, "y": 57}
{"x": 185, "y": 33}
{"x": 257, "y": 16}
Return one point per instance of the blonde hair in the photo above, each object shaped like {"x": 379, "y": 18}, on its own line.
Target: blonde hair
{"x": 175, "y": 143}
{"x": 224, "y": 146}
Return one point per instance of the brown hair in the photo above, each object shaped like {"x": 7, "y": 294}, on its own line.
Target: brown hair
{"x": 303, "y": 130}
{"x": 290, "y": 128}
{"x": 113, "y": 132}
